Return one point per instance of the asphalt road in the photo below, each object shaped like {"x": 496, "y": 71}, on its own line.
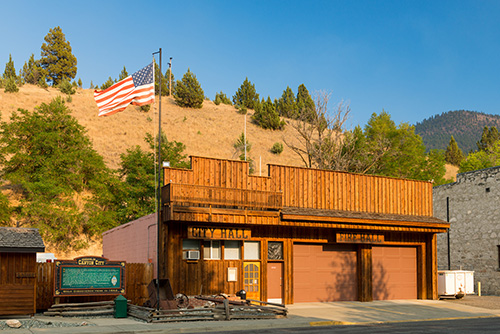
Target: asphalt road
{"x": 482, "y": 325}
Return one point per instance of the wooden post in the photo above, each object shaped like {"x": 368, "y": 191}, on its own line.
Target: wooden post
{"x": 226, "y": 309}
{"x": 365, "y": 287}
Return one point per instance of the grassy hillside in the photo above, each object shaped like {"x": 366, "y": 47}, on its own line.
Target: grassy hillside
{"x": 210, "y": 131}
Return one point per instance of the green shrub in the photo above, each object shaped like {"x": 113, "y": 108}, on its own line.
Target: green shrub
{"x": 222, "y": 98}
{"x": 277, "y": 148}
{"x": 146, "y": 108}
{"x": 66, "y": 87}
{"x": 267, "y": 117}
{"x": 241, "y": 110}
{"x": 10, "y": 86}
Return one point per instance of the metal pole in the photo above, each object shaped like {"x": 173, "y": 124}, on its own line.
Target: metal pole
{"x": 245, "y": 139}
{"x": 448, "y": 233}
{"x": 158, "y": 217}
{"x": 170, "y": 78}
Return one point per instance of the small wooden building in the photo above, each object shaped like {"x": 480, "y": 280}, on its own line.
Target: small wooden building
{"x": 298, "y": 234}
{"x": 18, "y": 248}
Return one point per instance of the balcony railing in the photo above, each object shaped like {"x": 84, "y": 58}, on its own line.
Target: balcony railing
{"x": 188, "y": 194}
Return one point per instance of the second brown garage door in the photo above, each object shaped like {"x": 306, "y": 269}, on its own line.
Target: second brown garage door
{"x": 394, "y": 273}
{"x": 324, "y": 273}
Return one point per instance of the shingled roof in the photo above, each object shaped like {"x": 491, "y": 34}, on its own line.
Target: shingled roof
{"x": 21, "y": 240}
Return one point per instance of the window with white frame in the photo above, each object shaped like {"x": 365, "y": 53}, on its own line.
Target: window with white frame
{"x": 211, "y": 250}
{"x": 251, "y": 250}
{"x": 232, "y": 250}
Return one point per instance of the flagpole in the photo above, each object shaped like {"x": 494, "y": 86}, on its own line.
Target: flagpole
{"x": 158, "y": 217}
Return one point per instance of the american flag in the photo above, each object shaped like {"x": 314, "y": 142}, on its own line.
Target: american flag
{"x": 137, "y": 89}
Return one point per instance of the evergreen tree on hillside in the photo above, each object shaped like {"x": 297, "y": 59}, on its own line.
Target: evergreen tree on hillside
{"x": 246, "y": 96}
{"x": 32, "y": 72}
{"x": 267, "y": 117}
{"x": 222, "y": 98}
{"x": 287, "y": 104}
{"x": 110, "y": 82}
{"x": 10, "y": 71}
{"x": 160, "y": 79}
{"x": 11, "y": 86}
{"x": 188, "y": 92}
{"x": 57, "y": 59}
{"x": 453, "y": 154}
{"x": 63, "y": 186}
{"x": 305, "y": 103}
{"x": 123, "y": 74}
{"x": 488, "y": 138}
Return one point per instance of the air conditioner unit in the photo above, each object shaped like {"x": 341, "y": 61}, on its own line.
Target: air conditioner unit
{"x": 193, "y": 255}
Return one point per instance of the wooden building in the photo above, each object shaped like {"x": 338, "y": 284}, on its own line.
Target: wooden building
{"x": 18, "y": 248}
{"x": 298, "y": 234}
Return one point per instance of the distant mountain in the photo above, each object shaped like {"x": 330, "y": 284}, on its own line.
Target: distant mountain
{"x": 465, "y": 126}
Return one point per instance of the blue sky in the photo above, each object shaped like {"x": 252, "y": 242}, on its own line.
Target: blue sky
{"x": 413, "y": 59}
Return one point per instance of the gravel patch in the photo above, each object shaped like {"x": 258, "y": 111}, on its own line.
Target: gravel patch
{"x": 487, "y": 302}
{"x": 34, "y": 323}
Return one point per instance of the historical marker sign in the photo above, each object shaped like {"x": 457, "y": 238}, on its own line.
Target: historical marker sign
{"x": 89, "y": 276}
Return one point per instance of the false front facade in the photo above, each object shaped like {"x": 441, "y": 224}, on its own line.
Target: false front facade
{"x": 297, "y": 235}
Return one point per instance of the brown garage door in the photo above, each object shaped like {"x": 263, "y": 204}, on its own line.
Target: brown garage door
{"x": 394, "y": 273}
{"x": 324, "y": 273}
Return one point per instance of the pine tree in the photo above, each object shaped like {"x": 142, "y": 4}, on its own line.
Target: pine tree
{"x": 10, "y": 71}
{"x": 305, "y": 103}
{"x": 453, "y": 154}
{"x": 188, "y": 92}
{"x": 267, "y": 117}
{"x": 242, "y": 147}
{"x": 10, "y": 86}
{"x": 488, "y": 138}
{"x": 57, "y": 58}
{"x": 110, "y": 82}
{"x": 160, "y": 79}
{"x": 32, "y": 72}
{"x": 222, "y": 98}
{"x": 123, "y": 74}
{"x": 287, "y": 104}
{"x": 246, "y": 96}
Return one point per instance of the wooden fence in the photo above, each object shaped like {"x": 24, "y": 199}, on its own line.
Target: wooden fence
{"x": 137, "y": 278}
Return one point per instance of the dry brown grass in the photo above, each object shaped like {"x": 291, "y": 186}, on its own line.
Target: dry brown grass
{"x": 210, "y": 131}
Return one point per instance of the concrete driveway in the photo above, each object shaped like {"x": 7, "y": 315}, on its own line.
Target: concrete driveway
{"x": 385, "y": 311}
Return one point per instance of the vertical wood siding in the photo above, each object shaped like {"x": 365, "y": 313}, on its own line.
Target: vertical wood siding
{"x": 330, "y": 190}
{"x": 313, "y": 188}
{"x": 17, "y": 294}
